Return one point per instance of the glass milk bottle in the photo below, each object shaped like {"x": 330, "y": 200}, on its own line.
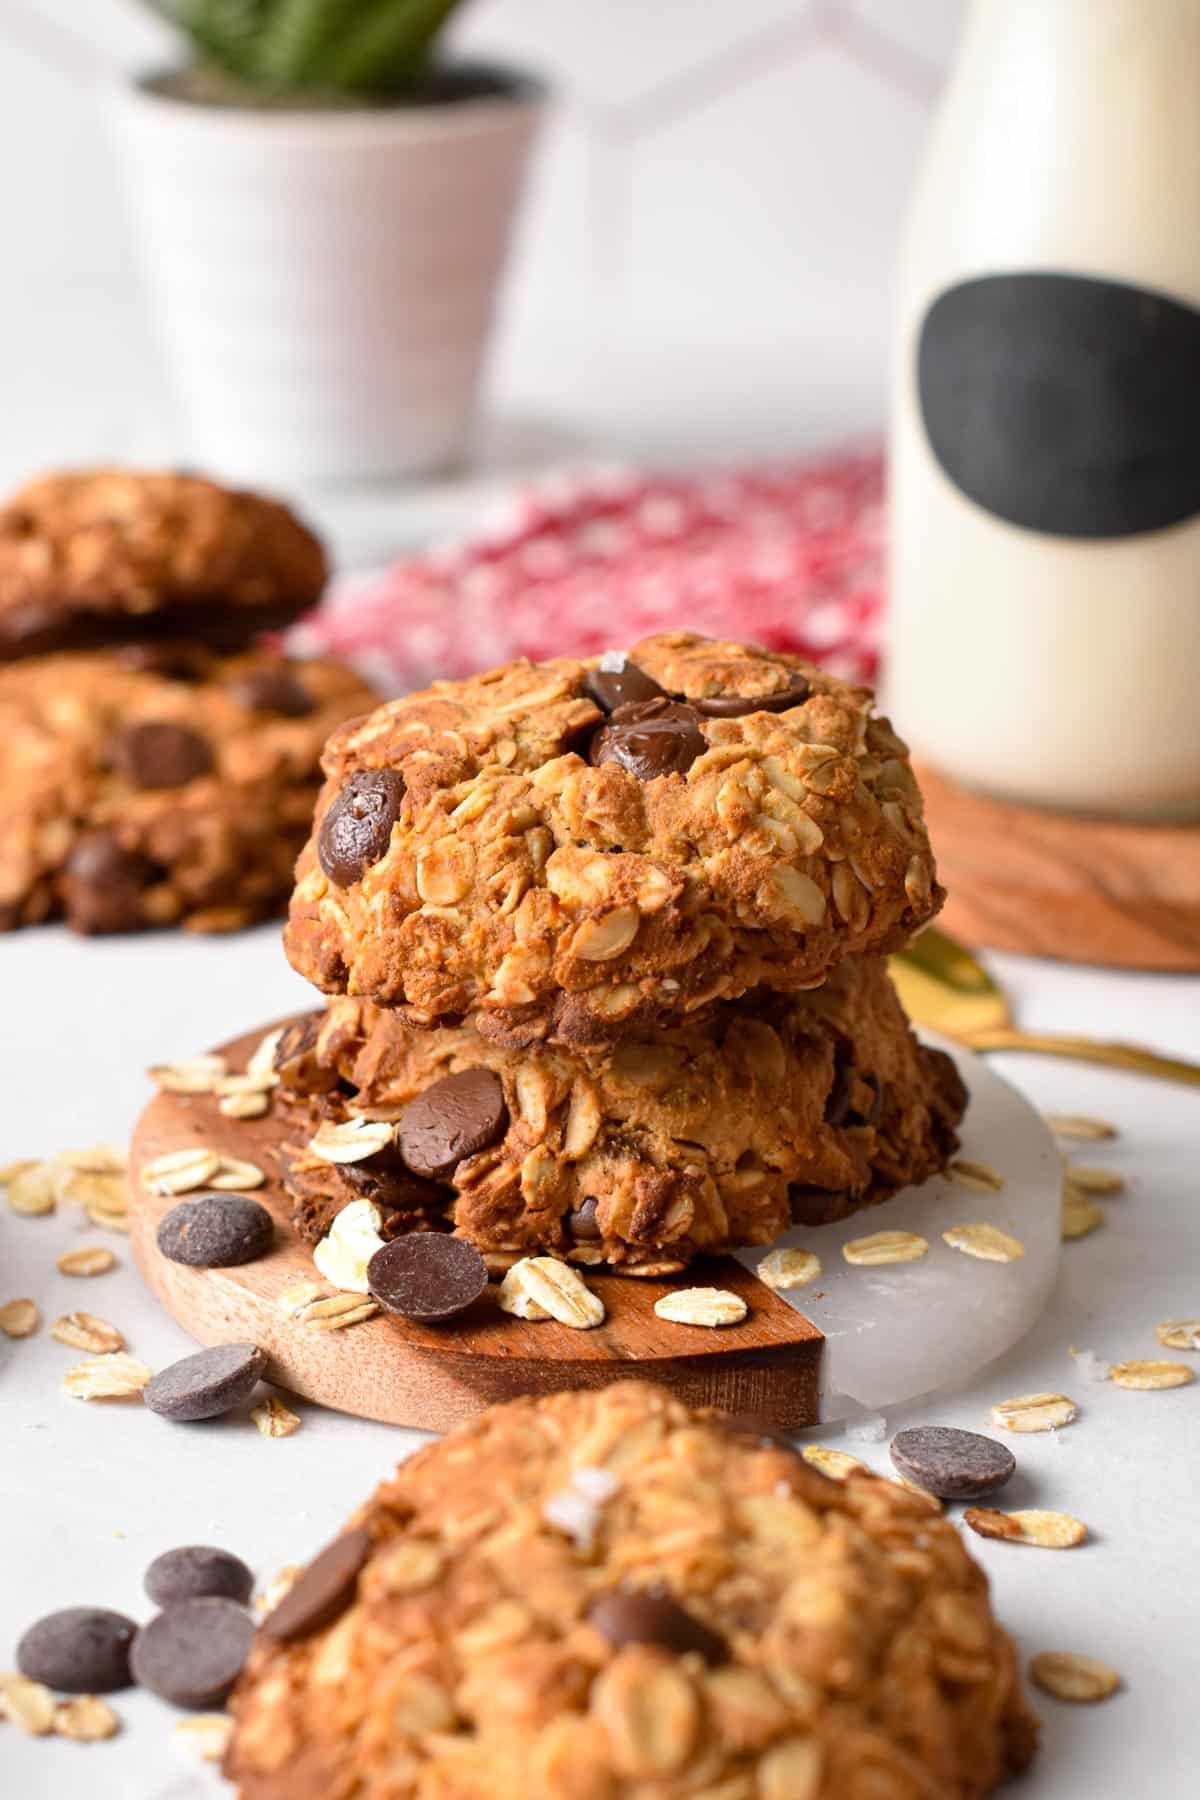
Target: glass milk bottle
{"x": 1045, "y": 455}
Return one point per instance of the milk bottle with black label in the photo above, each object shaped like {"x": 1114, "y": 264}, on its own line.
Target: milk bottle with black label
{"x": 1045, "y": 457}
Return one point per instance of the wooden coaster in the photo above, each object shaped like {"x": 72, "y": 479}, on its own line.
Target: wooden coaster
{"x": 1053, "y": 884}
{"x": 432, "y": 1377}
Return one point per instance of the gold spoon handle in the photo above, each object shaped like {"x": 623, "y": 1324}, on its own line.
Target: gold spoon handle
{"x": 1082, "y": 1049}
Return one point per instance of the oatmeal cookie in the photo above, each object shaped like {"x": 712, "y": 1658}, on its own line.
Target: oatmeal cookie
{"x": 163, "y": 784}
{"x": 566, "y": 848}
{"x": 607, "y": 1595}
{"x": 719, "y": 1131}
{"x": 100, "y": 555}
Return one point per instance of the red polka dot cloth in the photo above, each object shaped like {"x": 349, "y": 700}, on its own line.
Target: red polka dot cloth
{"x": 789, "y": 557}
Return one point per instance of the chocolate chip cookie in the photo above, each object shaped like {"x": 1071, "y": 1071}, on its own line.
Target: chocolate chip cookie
{"x": 92, "y": 557}
{"x": 566, "y": 849}
{"x": 717, "y": 1131}
{"x": 602, "y": 1595}
{"x": 160, "y": 785}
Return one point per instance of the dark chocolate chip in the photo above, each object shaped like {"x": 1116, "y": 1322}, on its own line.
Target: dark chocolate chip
{"x": 384, "y": 1180}
{"x": 104, "y": 885}
{"x": 207, "y": 1384}
{"x": 837, "y": 1101}
{"x": 956, "y": 1465}
{"x": 427, "y": 1275}
{"x": 651, "y": 1616}
{"x": 456, "y": 1117}
{"x": 197, "y": 1572}
{"x": 216, "y": 1231}
{"x": 736, "y": 706}
{"x": 582, "y": 1225}
{"x": 273, "y": 690}
{"x": 625, "y": 686}
{"x": 325, "y": 1589}
{"x": 174, "y": 662}
{"x": 157, "y": 753}
{"x": 357, "y": 829}
{"x": 191, "y": 1653}
{"x": 296, "y": 1062}
{"x": 655, "y": 737}
{"x": 81, "y": 1650}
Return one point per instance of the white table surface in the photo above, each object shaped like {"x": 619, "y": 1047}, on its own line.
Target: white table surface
{"x": 90, "y": 1493}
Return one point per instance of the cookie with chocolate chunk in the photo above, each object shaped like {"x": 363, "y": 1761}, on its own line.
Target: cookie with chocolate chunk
{"x": 571, "y": 850}
{"x": 160, "y": 785}
{"x": 606, "y": 1594}
{"x": 98, "y": 556}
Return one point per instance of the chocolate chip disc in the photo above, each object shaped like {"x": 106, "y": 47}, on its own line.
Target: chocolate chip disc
{"x": 191, "y": 1653}
{"x": 357, "y": 829}
{"x": 651, "y": 1616}
{"x": 736, "y": 706}
{"x": 652, "y": 738}
{"x": 427, "y": 1275}
{"x": 160, "y": 754}
{"x": 273, "y": 690}
{"x": 105, "y": 883}
{"x": 207, "y": 1384}
{"x": 957, "y": 1465}
{"x": 625, "y": 686}
{"x": 81, "y": 1650}
{"x": 583, "y": 1227}
{"x": 216, "y": 1231}
{"x": 197, "y": 1572}
{"x": 456, "y": 1117}
{"x": 325, "y": 1589}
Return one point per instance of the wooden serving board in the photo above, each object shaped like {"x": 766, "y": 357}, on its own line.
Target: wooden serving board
{"x": 1053, "y": 884}
{"x": 431, "y": 1377}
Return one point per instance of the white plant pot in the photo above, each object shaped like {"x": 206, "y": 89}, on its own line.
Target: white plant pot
{"x": 324, "y": 281}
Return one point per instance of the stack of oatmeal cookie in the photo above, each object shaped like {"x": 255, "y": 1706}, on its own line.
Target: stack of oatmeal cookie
{"x": 159, "y": 761}
{"x": 605, "y": 942}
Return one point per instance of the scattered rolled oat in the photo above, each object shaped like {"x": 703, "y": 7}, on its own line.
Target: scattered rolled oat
{"x": 837, "y": 1464}
{"x": 97, "y": 1159}
{"x": 1179, "y": 1334}
{"x": 115, "y": 1377}
{"x": 293, "y": 1300}
{"x": 236, "y": 1176}
{"x": 104, "y": 1190}
{"x": 274, "y": 1419}
{"x": 351, "y": 1141}
{"x": 332, "y": 1312}
{"x": 19, "y": 1318}
{"x": 1086, "y": 1180}
{"x": 32, "y": 1191}
{"x": 1068, "y": 1676}
{"x": 784, "y": 1269}
{"x": 84, "y": 1331}
{"x": 206, "y": 1735}
{"x": 194, "y": 1075}
{"x": 1080, "y": 1215}
{"x": 980, "y": 1177}
{"x": 560, "y": 1291}
{"x": 1048, "y": 1530}
{"x": 986, "y": 1242}
{"x": 28, "y": 1705}
{"x": 885, "y": 1247}
{"x": 514, "y": 1299}
{"x": 85, "y": 1719}
{"x": 1148, "y": 1374}
{"x": 9, "y": 1171}
{"x": 245, "y": 1103}
{"x": 1034, "y": 1412}
{"x": 702, "y": 1306}
{"x": 180, "y": 1171}
{"x": 1080, "y": 1126}
{"x": 86, "y": 1259}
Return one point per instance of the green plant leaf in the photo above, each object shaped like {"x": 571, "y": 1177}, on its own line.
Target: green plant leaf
{"x": 225, "y": 32}
{"x": 387, "y": 42}
{"x": 298, "y": 36}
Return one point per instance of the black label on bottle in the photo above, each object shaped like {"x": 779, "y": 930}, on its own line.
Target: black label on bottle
{"x": 1065, "y": 404}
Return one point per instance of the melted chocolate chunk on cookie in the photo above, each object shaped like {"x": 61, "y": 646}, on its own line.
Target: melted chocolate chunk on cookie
{"x": 455, "y": 1118}
{"x": 157, "y": 753}
{"x": 626, "y": 685}
{"x": 387, "y": 1181}
{"x": 650, "y": 738}
{"x": 736, "y": 706}
{"x": 104, "y": 885}
{"x": 323, "y": 1592}
{"x": 357, "y": 829}
{"x": 273, "y": 691}
{"x": 583, "y": 1226}
{"x": 651, "y": 1616}
{"x": 296, "y": 1062}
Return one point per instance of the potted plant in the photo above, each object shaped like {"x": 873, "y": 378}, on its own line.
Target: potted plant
{"x": 323, "y": 210}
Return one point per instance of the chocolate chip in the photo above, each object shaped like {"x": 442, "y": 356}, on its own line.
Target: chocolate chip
{"x": 192, "y": 1653}
{"x": 104, "y": 885}
{"x": 357, "y": 829}
{"x": 625, "y": 686}
{"x": 655, "y": 737}
{"x": 456, "y": 1117}
{"x": 296, "y": 1062}
{"x": 582, "y": 1225}
{"x": 216, "y": 1231}
{"x": 81, "y": 1650}
{"x": 174, "y": 662}
{"x": 273, "y": 690}
{"x": 957, "y": 1465}
{"x": 197, "y": 1572}
{"x": 651, "y": 1616}
{"x": 160, "y": 754}
{"x": 325, "y": 1589}
{"x": 427, "y": 1275}
{"x": 736, "y": 706}
{"x": 207, "y": 1384}
{"x": 837, "y": 1101}
{"x": 384, "y": 1180}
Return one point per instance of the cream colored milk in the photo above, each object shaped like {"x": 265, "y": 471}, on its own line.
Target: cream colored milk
{"x": 1060, "y": 671}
